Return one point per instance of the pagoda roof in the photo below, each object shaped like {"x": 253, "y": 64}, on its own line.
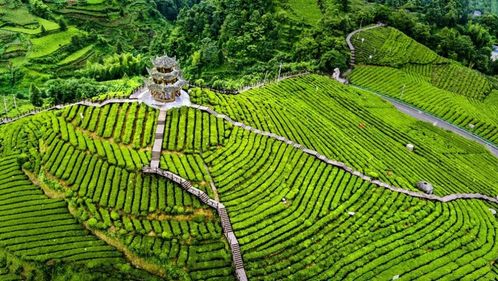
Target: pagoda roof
{"x": 164, "y": 76}
{"x": 164, "y": 61}
{"x": 166, "y": 87}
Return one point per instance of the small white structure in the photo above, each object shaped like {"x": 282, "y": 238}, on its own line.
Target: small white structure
{"x": 351, "y": 213}
{"x": 395, "y": 277}
{"x": 337, "y": 76}
{"x": 425, "y": 187}
{"x": 493, "y": 211}
{"x": 472, "y": 126}
{"x": 477, "y": 13}
{"x": 494, "y": 53}
{"x": 410, "y": 147}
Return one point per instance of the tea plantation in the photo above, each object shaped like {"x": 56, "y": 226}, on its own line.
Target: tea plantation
{"x": 395, "y": 65}
{"x": 75, "y": 197}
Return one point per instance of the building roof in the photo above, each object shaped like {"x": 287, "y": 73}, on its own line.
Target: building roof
{"x": 494, "y": 53}
{"x": 170, "y": 76}
{"x": 164, "y": 61}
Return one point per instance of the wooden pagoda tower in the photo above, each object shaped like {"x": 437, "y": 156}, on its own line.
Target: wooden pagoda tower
{"x": 166, "y": 82}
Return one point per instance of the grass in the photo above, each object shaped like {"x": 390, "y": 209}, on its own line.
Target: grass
{"x": 306, "y": 10}
{"x": 20, "y": 16}
{"x": 95, "y": 2}
{"x": 46, "y": 45}
{"x": 24, "y": 22}
{"x": 76, "y": 55}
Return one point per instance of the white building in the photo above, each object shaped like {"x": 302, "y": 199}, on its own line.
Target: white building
{"x": 494, "y": 53}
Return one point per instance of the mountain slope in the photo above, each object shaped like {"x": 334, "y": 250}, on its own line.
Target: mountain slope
{"x": 395, "y": 65}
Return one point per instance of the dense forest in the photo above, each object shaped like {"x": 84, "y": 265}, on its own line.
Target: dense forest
{"x": 221, "y": 43}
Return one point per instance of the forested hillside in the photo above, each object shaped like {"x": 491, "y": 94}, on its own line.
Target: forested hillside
{"x": 228, "y": 44}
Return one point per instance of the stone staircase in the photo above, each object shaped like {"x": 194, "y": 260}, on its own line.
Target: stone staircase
{"x": 220, "y": 208}
{"x": 158, "y": 141}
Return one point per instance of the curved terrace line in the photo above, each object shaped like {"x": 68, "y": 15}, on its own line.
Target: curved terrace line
{"x": 418, "y": 113}
{"x": 444, "y": 199}
{"x": 343, "y": 166}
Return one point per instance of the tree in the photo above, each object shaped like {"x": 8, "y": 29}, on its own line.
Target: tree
{"x": 15, "y": 74}
{"x": 62, "y": 25}
{"x": 39, "y": 8}
{"x": 35, "y": 95}
{"x": 344, "y": 5}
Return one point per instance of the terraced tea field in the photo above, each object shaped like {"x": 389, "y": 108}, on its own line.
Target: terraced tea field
{"x": 295, "y": 215}
{"x": 436, "y": 85}
{"x": 362, "y": 131}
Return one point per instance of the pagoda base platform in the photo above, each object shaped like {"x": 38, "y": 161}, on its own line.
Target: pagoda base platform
{"x": 147, "y": 98}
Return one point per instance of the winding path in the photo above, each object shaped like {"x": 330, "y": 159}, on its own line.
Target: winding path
{"x": 416, "y": 112}
{"x": 222, "y": 212}
{"x": 351, "y": 46}
{"x": 219, "y": 207}
{"x": 444, "y": 199}
{"x": 343, "y": 166}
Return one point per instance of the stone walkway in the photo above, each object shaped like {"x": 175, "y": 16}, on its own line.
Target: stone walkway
{"x": 158, "y": 140}
{"x": 343, "y": 166}
{"x": 220, "y": 208}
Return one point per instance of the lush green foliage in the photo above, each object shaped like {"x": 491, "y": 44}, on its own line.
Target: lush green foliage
{"x": 477, "y": 117}
{"x": 94, "y": 156}
{"x": 446, "y": 27}
{"x": 416, "y": 75}
{"x": 486, "y": 6}
{"x": 295, "y": 216}
{"x": 43, "y": 41}
{"x": 363, "y": 131}
{"x": 298, "y": 218}
{"x": 390, "y": 47}
{"x": 35, "y": 230}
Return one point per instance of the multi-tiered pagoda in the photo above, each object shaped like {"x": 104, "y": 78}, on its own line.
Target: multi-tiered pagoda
{"x": 166, "y": 81}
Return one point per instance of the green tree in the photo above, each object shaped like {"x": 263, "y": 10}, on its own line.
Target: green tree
{"x": 62, "y": 25}
{"x": 344, "y": 5}
{"x": 35, "y": 95}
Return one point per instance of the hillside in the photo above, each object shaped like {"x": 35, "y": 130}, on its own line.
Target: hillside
{"x": 304, "y": 216}
{"x": 393, "y": 64}
{"x": 91, "y": 42}
{"x": 191, "y": 140}
{"x": 486, "y": 6}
